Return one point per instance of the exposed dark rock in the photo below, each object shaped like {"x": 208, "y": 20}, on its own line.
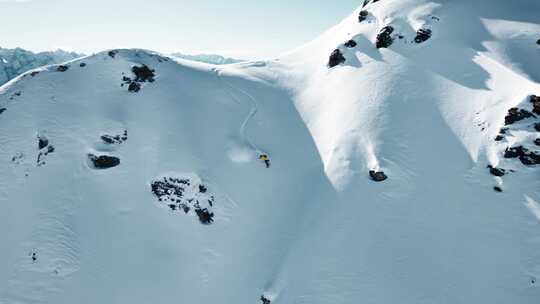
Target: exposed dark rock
{"x": 363, "y": 15}
{"x": 530, "y": 159}
{"x": 336, "y": 58}
{"x": 537, "y": 126}
{"x": 537, "y": 141}
{"x": 108, "y": 139}
{"x": 422, "y": 35}
{"x": 503, "y": 130}
{"x": 499, "y": 138}
{"x": 82, "y": 64}
{"x": 143, "y": 73}
{"x": 34, "y": 73}
{"x": 42, "y": 153}
{"x": 538, "y": 41}
{"x": 515, "y": 152}
{"x": 377, "y": 176}
{"x": 384, "y": 38}
{"x": 2, "y": 110}
{"x": 535, "y": 100}
{"x": 202, "y": 189}
{"x": 62, "y": 68}
{"x": 34, "y": 257}
{"x": 525, "y": 156}
{"x": 116, "y": 139}
{"x": 42, "y": 142}
{"x": 497, "y": 189}
{"x": 205, "y": 217}
{"x": 515, "y": 114}
{"x": 112, "y": 53}
{"x": 496, "y": 171}
{"x": 179, "y": 195}
{"x": 350, "y": 44}
{"x": 134, "y": 87}
{"x": 265, "y": 300}
{"x": 104, "y": 161}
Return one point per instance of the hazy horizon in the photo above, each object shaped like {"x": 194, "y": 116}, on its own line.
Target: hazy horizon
{"x": 239, "y": 28}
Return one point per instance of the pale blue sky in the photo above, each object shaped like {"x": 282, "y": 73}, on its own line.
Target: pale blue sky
{"x": 240, "y": 28}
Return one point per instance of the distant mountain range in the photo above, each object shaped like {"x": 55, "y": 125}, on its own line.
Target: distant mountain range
{"x": 14, "y": 62}
{"x": 208, "y": 58}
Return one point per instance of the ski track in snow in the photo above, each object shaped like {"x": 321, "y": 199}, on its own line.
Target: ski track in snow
{"x": 253, "y": 111}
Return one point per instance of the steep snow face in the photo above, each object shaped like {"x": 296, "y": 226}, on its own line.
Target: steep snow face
{"x": 187, "y": 203}
{"x": 130, "y": 177}
{"x": 14, "y": 62}
{"x": 468, "y": 73}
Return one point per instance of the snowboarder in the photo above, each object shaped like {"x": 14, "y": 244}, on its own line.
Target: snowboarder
{"x": 265, "y": 159}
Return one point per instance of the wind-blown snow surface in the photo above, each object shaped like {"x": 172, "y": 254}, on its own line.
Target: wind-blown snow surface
{"x": 313, "y": 228}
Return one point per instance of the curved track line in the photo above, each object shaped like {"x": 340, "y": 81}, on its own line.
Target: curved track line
{"x": 252, "y": 113}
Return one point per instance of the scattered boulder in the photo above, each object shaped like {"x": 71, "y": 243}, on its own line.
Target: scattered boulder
{"x": 44, "y": 152}
{"x": 112, "y": 53}
{"x": 185, "y": 194}
{"x": 377, "y": 176}
{"x": 537, "y": 126}
{"x": 62, "y": 68}
{"x": 496, "y": 171}
{"x": 350, "y": 44}
{"x": 104, "y": 161}
{"x": 265, "y": 300}
{"x": 143, "y": 73}
{"x": 336, "y": 58}
{"x": 2, "y": 110}
{"x": 82, "y": 64}
{"x": 34, "y": 257}
{"x": 497, "y": 189}
{"x": 363, "y": 15}
{"x": 18, "y": 158}
{"x": 42, "y": 142}
{"x": 134, "y": 87}
{"x": 205, "y": 217}
{"x": 515, "y": 114}
{"x": 384, "y": 38}
{"x": 535, "y": 100}
{"x": 116, "y": 139}
{"x": 537, "y": 141}
{"x": 422, "y": 35}
{"x": 202, "y": 189}
{"x": 538, "y": 41}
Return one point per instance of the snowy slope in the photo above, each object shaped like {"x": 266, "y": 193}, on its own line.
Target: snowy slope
{"x": 14, "y": 62}
{"x": 312, "y": 228}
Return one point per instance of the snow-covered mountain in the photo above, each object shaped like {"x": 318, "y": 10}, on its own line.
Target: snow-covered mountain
{"x": 208, "y": 58}
{"x": 14, "y": 62}
{"x": 403, "y": 153}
